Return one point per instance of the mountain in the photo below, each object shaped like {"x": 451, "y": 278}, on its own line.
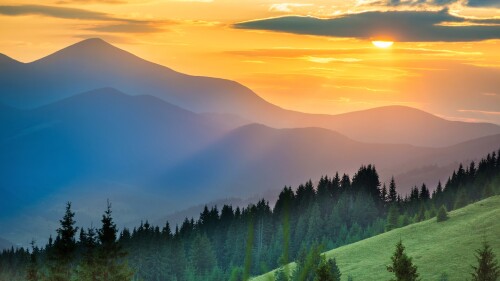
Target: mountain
{"x": 97, "y": 135}
{"x": 94, "y": 63}
{"x": 141, "y": 150}
{"x": 429, "y": 243}
{"x": 255, "y": 159}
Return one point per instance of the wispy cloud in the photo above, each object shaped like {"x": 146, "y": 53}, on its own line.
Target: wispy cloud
{"x": 102, "y": 22}
{"x": 485, "y": 112}
{"x": 91, "y": 1}
{"x": 409, "y": 26}
{"x": 56, "y": 12}
{"x": 328, "y": 60}
{"x": 286, "y": 7}
{"x": 470, "y": 3}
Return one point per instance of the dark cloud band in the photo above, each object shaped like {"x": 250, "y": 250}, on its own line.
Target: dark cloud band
{"x": 409, "y": 26}
{"x": 112, "y": 25}
{"x": 56, "y": 12}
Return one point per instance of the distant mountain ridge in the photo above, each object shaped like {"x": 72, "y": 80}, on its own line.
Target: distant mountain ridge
{"x": 92, "y": 120}
{"x": 94, "y": 63}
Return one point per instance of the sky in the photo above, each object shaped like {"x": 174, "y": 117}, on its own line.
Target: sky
{"x": 309, "y": 56}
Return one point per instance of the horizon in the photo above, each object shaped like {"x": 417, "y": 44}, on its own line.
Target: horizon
{"x": 435, "y": 71}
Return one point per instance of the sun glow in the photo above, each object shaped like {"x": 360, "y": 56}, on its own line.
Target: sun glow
{"x": 382, "y": 44}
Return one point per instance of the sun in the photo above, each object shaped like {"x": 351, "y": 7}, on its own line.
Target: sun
{"x": 382, "y": 44}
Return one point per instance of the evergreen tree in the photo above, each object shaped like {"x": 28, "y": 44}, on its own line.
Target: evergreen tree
{"x": 203, "y": 259}
{"x": 62, "y": 254}
{"x": 32, "y": 272}
{"x": 402, "y": 265}
{"x": 424, "y": 193}
{"x": 88, "y": 268}
{"x": 393, "y": 195}
{"x": 327, "y": 270}
{"x": 110, "y": 257}
{"x": 392, "y": 218}
{"x": 383, "y": 195}
{"x": 487, "y": 268}
{"x": 442, "y": 215}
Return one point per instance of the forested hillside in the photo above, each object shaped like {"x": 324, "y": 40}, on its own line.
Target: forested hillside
{"x": 233, "y": 244}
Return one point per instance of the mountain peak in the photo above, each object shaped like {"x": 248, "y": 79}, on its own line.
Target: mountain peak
{"x": 92, "y": 42}
{"x": 88, "y": 48}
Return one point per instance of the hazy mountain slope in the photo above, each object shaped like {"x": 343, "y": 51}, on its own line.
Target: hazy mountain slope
{"x": 429, "y": 244}
{"x": 103, "y": 134}
{"x": 256, "y": 158}
{"x": 142, "y": 151}
{"x": 93, "y": 63}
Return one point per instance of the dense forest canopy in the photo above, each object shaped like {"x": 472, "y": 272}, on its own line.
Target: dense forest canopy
{"x": 236, "y": 243}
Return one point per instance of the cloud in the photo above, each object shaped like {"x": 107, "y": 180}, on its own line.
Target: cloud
{"x": 485, "y": 112}
{"x": 129, "y": 27}
{"x": 51, "y": 11}
{"x": 286, "y": 7}
{"x": 470, "y": 3}
{"x": 112, "y": 24}
{"x": 407, "y": 26}
{"x": 484, "y": 3}
{"x": 92, "y": 1}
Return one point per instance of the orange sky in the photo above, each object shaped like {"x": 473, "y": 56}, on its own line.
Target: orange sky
{"x": 307, "y": 73}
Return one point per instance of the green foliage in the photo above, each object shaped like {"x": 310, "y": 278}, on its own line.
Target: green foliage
{"x": 253, "y": 239}
{"x": 328, "y": 270}
{"x": 392, "y": 218}
{"x": 434, "y": 247}
{"x": 32, "y": 270}
{"x": 442, "y": 214}
{"x": 402, "y": 265}
{"x": 62, "y": 253}
{"x": 487, "y": 268}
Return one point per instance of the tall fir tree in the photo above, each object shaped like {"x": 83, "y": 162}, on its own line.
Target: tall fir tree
{"x": 32, "y": 271}
{"x": 112, "y": 266}
{"x": 487, "y": 268}
{"x": 63, "y": 251}
{"x": 393, "y": 195}
{"x": 402, "y": 265}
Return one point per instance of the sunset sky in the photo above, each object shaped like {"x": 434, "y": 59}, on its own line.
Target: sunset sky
{"x": 310, "y": 56}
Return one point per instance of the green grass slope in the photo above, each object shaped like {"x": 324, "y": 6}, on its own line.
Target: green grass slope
{"x": 435, "y": 247}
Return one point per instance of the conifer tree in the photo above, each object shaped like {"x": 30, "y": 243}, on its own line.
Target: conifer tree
{"x": 487, "y": 268}
{"x": 442, "y": 215}
{"x": 393, "y": 195}
{"x": 402, "y": 265}
{"x": 62, "y": 254}
{"x": 327, "y": 270}
{"x": 32, "y": 272}
{"x": 88, "y": 270}
{"x": 392, "y": 218}
{"x": 111, "y": 255}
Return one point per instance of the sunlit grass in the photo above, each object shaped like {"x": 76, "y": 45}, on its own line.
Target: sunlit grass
{"x": 447, "y": 247}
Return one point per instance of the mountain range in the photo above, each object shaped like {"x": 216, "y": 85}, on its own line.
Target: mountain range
{"x": 94, "y": 63}
{"x": 93, "y": 121}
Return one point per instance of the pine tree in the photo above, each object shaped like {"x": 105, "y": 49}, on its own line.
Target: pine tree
{"x": 392, "y": 218}
{"x": 393, "y": 195}
{"x": 88, "y": 270}
{"x": 328, "y": 270}
{"x": 32, "y": 272}
{"x": 62, "y": 254}
{"x": 402, "y": 265}
{"x": 442, "y": 215}
{"x": 487, "y": 268}
{"x": 110, "y": 254}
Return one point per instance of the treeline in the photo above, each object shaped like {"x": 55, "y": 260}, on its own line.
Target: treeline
{"x": 236, "y": 243}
